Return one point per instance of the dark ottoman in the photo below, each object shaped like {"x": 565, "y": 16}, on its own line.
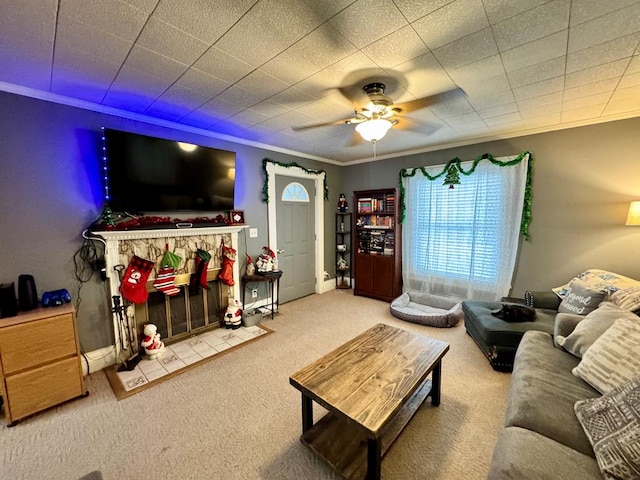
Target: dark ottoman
{"x": 498, "y": 339}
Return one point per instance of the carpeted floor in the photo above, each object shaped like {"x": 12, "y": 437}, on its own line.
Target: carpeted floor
{"x": 237, "y": 417}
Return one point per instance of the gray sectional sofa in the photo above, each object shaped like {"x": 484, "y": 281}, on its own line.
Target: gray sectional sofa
{"x": 543, "y": 438}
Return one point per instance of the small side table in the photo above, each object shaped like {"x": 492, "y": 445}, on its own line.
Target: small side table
{"x": 274, "y": 283}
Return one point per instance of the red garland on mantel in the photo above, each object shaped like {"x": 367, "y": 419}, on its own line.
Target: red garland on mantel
{"x": 151, "y": 221}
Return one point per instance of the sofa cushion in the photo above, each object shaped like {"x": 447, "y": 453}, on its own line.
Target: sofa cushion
{"x": 613, "y": 358}
{"x": 592, "y": 327}
{"x": 612, "y": 423}
{"x": 523, "y": 454}
{"x": 543, "y": 392}
{"x": 580, "y": 298}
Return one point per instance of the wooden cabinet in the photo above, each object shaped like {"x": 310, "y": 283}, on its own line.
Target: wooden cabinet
{"x": 377, "y": 244}
{"x": 39, "y": 360}
{"x": 343, "y": 250}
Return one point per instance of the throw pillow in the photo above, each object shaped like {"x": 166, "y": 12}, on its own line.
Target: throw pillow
{"x": 627, "y": 299}
{"x": 613, "y": 358}
{"x": 592, "y": 327}
{"x": 612, "y": 424}
{"x": 580, "y": 298}
{"x": 600, "y": 279}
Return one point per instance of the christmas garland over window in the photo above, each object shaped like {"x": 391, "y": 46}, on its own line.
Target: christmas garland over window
{"x": 452, "y": 171}
{"x": 265, "y": 186}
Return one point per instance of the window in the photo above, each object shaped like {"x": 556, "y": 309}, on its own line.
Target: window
{"x": 295, "y": 192}
{"x": 462, "y": 242}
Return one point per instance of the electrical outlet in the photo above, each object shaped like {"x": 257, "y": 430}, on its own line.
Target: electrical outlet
{"x": 254, "y": 293}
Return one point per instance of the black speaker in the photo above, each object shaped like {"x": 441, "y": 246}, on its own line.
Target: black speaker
{"x": 8, "y": 302}
{"x": 27, "y": 293}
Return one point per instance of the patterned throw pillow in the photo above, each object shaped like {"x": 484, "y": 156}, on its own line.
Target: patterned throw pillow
{"x": 601, "y": 279}
{"x": 613, "y": 358}
{"x": 612, "y": 424}
{"x": 580, "y": 298}
{"x": 627, "y": 299}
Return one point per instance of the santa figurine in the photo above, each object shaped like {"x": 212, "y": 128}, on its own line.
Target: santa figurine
{"x": 233, "y": 316}
{"x": 151, "y": 343}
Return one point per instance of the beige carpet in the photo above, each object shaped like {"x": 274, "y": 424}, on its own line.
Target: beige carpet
{"x": 237, "y": 417}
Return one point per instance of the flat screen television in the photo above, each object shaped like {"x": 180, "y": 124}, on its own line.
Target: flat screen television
{"x": 154, "y": 175}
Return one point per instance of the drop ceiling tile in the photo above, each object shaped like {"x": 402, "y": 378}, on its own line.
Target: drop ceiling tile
{"x": 581, "y": 114}
{"x": 490, "y": 101}
{"x": 451, "y": 22}
{"x": 287, "y": 119}
{"x": 320, "y": 49}
{"x": 383, "y": 18}
{"x": 597, "y": 73}
{"x": 453, "y": 109}
{"x": 620, "y": 23}
{"x": 535, "y": 52}
{"x": 499, "y": 110}
{"x": 202, "y": 19}
{"x": 155, "y": 64}
{"x": 622, "y": 94}
{"x": 488, "y": 67}
{"x": 127, "y": 100}
{"x": 180, "y": 95}
{"x": 583, "y": 102}
{"x": 540, "y": 101}
{"x": 31, "y": 26}
{"x": 541, "y": 121}
{"x": 217, "y": 108}
{"x": 585, "y": 10}
{"x": 262, "y": 84}
{"x": 77, "y": 36}
{"x": 90, "y": 89}
{"x": 171, "y": 42}
{"x": 506, "y": 119}
{"x": 248, "y": 117}
{"x": 634, "y": 65}
{"x": 534, "y": 24}
{"x": 202, "y": 83}
{"x": 603, "y": 53}
{"x": 267, "y": 29}
{"x": 397, "y": 48}
{"x": 537, "y": 73}
{"x": 603, "y": 86}
{"x": 500, "y": 10}
{"x": 111, "y": 16}
{"x": 223, "y": 65}
{"x": 630, "y": 80}
{"x": 132, "y": 80}
{"x": 424, "y": 76}
{"x": 486, "y": 87}
{"x": 240, "y": 96}
{"x": 414, "y": 9}
{"x": 538, "y": 89}
{"x": 467, "y": 50}
{"x": 83, "y": 67}
{"x": 270, "y": 108}
{"x": 539, "y": 110}
{"x": 627, "y": 107}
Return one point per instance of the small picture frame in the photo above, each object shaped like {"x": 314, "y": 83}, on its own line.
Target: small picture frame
{"x": 236, "y": 217}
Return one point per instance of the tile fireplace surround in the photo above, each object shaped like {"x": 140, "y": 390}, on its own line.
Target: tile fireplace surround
{"x": 120, "y": 246}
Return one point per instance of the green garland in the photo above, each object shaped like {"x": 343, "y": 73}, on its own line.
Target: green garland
{"x": 265, "y": 186}
{"x": 454, "y": 166}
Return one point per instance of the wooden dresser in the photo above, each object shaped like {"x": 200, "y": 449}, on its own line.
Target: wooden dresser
{"x": 39, "y": 361}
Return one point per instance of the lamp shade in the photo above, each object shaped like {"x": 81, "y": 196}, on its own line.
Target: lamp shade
{"x": 633, "y": 217}
{"x": 373, "y": 130}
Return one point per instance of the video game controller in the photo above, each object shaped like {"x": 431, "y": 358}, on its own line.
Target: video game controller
{"x": 55, "y": 298}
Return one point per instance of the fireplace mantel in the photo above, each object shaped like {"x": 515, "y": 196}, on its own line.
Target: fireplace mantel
{"x": 121, "y": 245}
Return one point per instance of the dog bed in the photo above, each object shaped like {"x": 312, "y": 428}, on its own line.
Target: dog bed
{"x": 427, "y": 309}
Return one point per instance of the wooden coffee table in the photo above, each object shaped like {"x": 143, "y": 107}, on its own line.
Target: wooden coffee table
{"x": 371, "y": 386}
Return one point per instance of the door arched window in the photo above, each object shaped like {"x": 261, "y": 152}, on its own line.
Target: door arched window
{"x": 295, "y": 192}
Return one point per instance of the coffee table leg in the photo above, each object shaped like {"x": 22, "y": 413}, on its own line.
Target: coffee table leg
{"x": 374, "y": 451}
{"x": 307, "y": 413}
{"x": 435, "y": 384}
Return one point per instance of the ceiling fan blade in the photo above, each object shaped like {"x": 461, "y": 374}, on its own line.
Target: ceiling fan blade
{"x": 423, "y": 102}
{"x": 355, "y": 139}
{"x": 409, "y": 125}
{"x": 344, "y": 121}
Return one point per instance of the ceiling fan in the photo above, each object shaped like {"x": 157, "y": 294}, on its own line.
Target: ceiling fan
{"x": 374, "y": 120}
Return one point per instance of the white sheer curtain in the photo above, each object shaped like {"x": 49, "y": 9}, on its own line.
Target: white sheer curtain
{"x": 462, "y": 242}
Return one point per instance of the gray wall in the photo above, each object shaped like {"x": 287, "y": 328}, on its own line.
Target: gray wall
{"x": 50, "y": 191}
{"x": 583, "y": 181}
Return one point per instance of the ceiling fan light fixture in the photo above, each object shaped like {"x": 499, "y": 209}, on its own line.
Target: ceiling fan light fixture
{"x": 374, "y": 130}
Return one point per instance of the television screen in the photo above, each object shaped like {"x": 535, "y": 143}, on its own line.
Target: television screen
{"x": 148, "y": 174}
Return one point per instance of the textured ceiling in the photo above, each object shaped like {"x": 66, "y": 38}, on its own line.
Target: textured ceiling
{"x": 255, "y": 69}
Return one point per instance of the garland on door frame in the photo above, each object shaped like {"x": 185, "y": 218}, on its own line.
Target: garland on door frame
{"x": 265, "y": 186}
{"x": 452, "y": 170}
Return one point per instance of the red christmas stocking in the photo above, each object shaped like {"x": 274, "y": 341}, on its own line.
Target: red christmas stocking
{"x": 166, "y": 276}
{"x": 199, "y": 276}
{"x": 134, "y": 281}
{"x": 228, "y": 259}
